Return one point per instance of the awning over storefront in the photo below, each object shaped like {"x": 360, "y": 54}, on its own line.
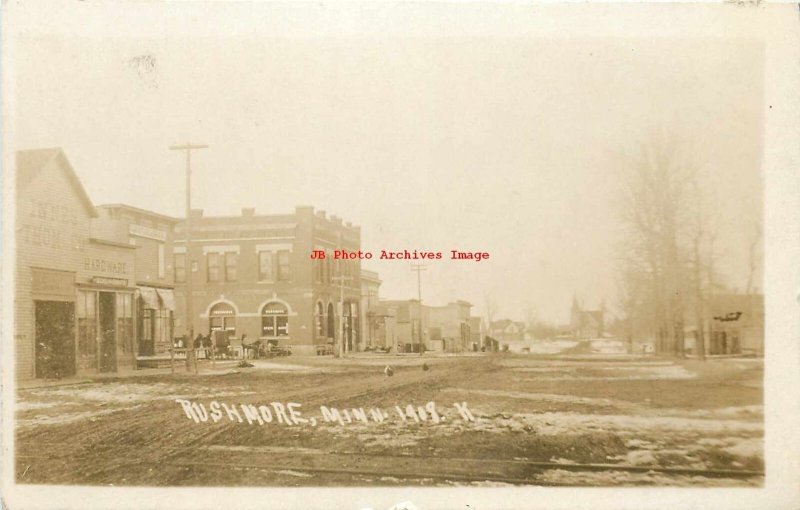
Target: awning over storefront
{"x": 168, "y": 298}
{"x": 150, "y": 297}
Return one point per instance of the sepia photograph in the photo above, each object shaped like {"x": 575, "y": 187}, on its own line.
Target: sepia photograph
{"x": 445, "y": 254}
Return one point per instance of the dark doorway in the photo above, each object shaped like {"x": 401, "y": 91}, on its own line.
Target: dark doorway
{"x": 108, "y": 332}
{"x": 55, "y": 339}
{"x": 330, "y": 330}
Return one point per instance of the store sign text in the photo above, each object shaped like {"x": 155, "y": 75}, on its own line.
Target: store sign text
{"x": 105, "y": 266}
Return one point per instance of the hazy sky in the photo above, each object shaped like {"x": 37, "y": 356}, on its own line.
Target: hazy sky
{"x": 504, "y": 145}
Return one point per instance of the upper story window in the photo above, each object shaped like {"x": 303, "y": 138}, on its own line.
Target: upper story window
{"x": 222, "y": 267}
{"x": 212, "y": 260}
{"x": 266, "y": 266}
{"x": 180, "y": 267}
{"x": 162, "y": 261}
{"x": 319, "y": 270}
{"x": 284, "y": 267}
{"x": 231, "y": 259}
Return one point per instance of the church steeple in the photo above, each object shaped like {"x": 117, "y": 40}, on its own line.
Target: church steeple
{"x": 575, "y": 306}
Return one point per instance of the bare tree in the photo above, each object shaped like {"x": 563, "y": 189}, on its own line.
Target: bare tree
{"x": 656, "y": 210}
{"x": 754, "y": 256}
{"x": 490, "y": 306}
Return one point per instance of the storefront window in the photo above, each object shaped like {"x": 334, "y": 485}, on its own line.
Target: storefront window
{"x": 275, "y": 320}
{"x": 87, "y": 328}
{"x": 222, "y": 318}
{"x": 155, "y": 331}
{"x": 125, "y": 322}
{"x": 146, "y": 346}
{"x": 162, "y": 337}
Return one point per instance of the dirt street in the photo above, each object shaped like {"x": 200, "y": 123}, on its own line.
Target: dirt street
{"x": 540, "y": 420}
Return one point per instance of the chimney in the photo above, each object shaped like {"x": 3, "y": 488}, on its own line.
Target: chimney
{"x": 197, "y": 213}
{"x": 321, "y": 214}
{"x": 248, "y": 212}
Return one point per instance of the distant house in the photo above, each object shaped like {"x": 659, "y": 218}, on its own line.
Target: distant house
{"x": 736, "y": 324}
{"x": 586, "y": 323}
{"x": 507, "y": 332}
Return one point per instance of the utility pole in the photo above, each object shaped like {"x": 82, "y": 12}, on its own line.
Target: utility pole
{"x": 341, "y": 279}
{"x": 368, "y": 313}
{"x": 188, "y": 147}
{"x": 419, "y": 268}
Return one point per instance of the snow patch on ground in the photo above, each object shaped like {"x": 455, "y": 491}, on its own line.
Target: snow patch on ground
{"x": 641, "y": 458}
{"x": 746, "y": 447}
{"x": 298, "y": 474}
{"x": 30, "y": 406}
{"x": 69, "y": 417}
{"x": 55, "y": 405}
{"x": 552, "y": 423}
{"x": 543, "y": 397}
{"x": 526, "y": 363}
{"x": 281, "y": 367}
{"x": 608, "y": 347}
{"x": 551, "y": 347}
{"x": 264, "y": 449}
{"x": 559, "y": 460}
{"x": 608, "y": 478}
{"x": 628, "y": 373}
{"x": 125, "y": 393}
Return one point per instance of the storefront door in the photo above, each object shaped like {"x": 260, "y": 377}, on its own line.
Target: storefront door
{"x": 55, "y": 338}
{"x": 108, "y": 332}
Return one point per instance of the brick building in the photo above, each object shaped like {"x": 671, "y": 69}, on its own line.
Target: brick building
{"x": 253, "y": 275}
{"x": 154, "y": 275}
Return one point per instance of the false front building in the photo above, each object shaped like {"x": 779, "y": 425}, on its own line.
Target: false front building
{"x": 89, "y": 280}
{"x": 253, "y": 276}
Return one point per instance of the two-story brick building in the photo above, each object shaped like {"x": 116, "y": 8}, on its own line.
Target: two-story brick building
{"x": 253, "y": 275}
{"x": 154, "y": 275}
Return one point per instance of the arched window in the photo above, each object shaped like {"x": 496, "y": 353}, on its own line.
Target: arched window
{"x": 222, "y": 317}
{"x": 331, "y": 324}
{"x": 274, "y": 320}
{"x": 320, "y": 319}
